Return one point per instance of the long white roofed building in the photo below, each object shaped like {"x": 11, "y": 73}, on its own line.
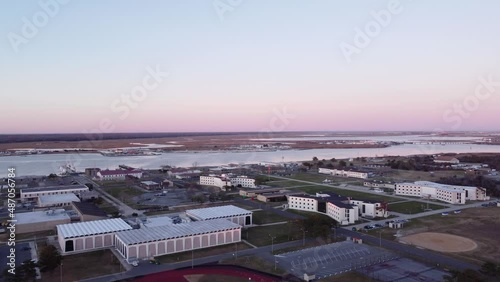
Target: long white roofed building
{"x": 89, "y": 235}
{"x": 163, "y": 240}
{"x": 452, "y": 194}
{"x": 233, "y": 213}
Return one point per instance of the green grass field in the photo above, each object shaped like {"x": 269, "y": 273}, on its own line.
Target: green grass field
{"x": 261, "y": 236}
{"x": 413, "y": 207}
{"x": 178, "y": 257}
{"x": 85, "y": 265}
{"x": 265, "y": 216}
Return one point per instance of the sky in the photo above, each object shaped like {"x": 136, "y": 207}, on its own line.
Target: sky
{"x": 248, "y": 65}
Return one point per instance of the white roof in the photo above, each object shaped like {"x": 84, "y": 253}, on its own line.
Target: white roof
{"x": 149, "y": 183}
{"x": 41, "y": 216}
{"x": 138, "y": 236}
{"x": 80, "y": 229}
{"x": 56, "y": 199}
{"x": 444, "y": 186}
{"x": 158, "y": 221}
{"x": 217, "y": 212}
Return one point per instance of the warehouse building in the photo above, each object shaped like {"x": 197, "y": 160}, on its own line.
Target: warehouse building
{"x": 88, "y": 211}
{"x": 229, "y": 212}
{"x": 344, "y": 173}
{"x": 89, "y": 236}
{"x": 61, "y": 200}
{"x": 40, "y": 220}
{"x": 32, "y": 194}
{"x": 163, "y": 240}
{"x": 452, "y": 194}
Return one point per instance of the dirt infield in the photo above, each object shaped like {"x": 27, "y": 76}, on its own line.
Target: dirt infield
{"x": 440, "y": 242}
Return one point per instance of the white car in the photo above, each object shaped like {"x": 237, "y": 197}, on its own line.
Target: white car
{"x": 135, "y": 263}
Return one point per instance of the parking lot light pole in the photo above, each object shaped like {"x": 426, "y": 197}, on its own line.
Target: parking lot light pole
{"x": 272, "y": 243}
{"x": 380, "y": 237}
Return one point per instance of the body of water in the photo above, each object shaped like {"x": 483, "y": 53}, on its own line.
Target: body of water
{"x": 45, "y": 164}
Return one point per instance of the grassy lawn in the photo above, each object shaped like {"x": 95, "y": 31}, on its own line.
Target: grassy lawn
{"x": 313, "y": 189}
{"x": 173, "y": 258}
{"x": 124, "y": 194}
{"x": 85, "y": 265}
{"x": 107, "y": 207}
{"x": 265, "y": 216}
{"x": 412, "y": 175}
{"x": 413, "y": 207}
{"x": 254, "y": 262}
{"x": 259, "y": 236}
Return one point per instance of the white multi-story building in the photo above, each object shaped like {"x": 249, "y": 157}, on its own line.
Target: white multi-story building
{"x": 118, "y": 174}
{"x": 32, "y": 194}
{"x": 244, "y": 181}
{"x": 342, "y": 209}
{"x": 344, "y": 173}
{"x": 452, "y": 194}
{"x": 215, "y": 180}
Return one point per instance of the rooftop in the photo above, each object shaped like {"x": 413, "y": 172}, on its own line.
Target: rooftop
{"x": 443, "y": 186}
{"x": 53, "y": 188}
{"x": 149, "y": 183}
{"x": 118, "y": 171}
{"x": 41, "y": 216}
{"x": 217, "y": 212}
{"x": 179, "y": 230}
{"x": 158, "y": 221}
{"x": 80, "y": 229}
{"x": 56, "y": 199}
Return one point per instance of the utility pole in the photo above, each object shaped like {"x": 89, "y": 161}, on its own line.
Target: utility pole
{"x": 272, "y": 243}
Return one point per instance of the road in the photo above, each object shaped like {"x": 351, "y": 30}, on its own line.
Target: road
{"x": 124, "y": 208}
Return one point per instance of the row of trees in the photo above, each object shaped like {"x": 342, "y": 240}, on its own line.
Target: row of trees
{"x": 49, "y": 259}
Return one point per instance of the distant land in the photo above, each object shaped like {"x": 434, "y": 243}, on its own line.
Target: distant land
{"x": 184, "y": 141}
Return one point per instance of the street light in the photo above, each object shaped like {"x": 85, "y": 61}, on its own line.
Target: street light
{"x": 380, "y": 237}
{"x": 192, "y": 258}
{"x": 61, "y": 270}
{"x": 272, "y": 243}
{"x": 303, "y": 236}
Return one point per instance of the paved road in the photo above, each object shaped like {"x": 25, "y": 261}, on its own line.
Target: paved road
{"x": 124, "y": 209}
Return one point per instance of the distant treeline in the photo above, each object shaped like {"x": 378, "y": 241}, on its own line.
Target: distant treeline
{"x": 493, "y": 161}
{"x": 492, "y": 186}
{"x": 15, "y": 138}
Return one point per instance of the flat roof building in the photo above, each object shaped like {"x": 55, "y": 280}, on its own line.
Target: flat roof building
{"x": 32, "y": 194}
{"x": 162, "y": 240}
{"x": 88, "y": 211}
{"x": 60, "y": 200}
{"x": 40, "y": 220}
{"x": 235, "y": 214}
{"x": 90, "y": 235}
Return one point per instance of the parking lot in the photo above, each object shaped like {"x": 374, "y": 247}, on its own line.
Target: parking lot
{"x": 332, "y": 259}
